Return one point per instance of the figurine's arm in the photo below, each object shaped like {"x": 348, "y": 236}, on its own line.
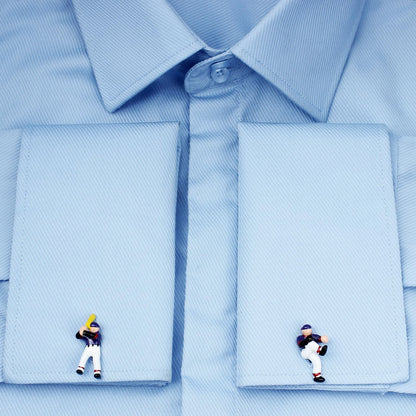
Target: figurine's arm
{"x": 90, "y": 335}
{"x": 320, "y": 338}
{"x": 81, "y": 333}
{"x": 305, "y": 342}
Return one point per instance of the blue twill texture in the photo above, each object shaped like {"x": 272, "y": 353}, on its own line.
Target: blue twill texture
{"x": 205, "y": 219}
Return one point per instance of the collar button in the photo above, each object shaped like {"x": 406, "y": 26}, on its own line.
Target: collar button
{"x": 220, "y": 72}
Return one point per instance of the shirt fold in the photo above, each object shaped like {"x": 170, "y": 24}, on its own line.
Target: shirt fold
{"x": 318, "y": 244}
{"x": 94, "y": 232}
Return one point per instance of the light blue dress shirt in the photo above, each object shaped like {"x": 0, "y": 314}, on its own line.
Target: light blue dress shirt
{"x": 207, "y": 177}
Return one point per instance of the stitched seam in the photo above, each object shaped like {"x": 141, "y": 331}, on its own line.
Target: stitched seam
{"x": 20, "y": 273}
{"x": 397, "y": 166}
{"x": 114, "y": 99}
{"x": 163, "y": 372}
{"x": 281, "y": 79}
{"x": 187, "y": 126}
{"x": 382, "y": 171}
{"x": 20, "y": 268}
{"x": 235, "y": 346}
{"x": 388, "y": 235}
{"x": 354, "y": 31}
{"x": 326, "y": 372}
{"x": 7, "y": 275}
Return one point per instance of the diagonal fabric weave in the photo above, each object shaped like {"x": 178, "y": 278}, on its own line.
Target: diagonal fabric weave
{"x": 87, "y": 238}
{"x": 317, "y": 225}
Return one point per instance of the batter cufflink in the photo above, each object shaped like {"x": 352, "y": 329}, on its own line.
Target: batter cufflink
{"x": 90, "y": 333}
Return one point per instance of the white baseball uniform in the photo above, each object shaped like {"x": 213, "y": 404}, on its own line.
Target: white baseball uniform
{"x": 311, "y": 352}
{"x": 94, "y": 352}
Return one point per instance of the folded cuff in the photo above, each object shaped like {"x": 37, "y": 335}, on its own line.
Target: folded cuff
{"x": 94, "y": 232}
{"x": 318, "y": 244}
{"x": 9, "y": 155}
{"x": 406, "y": 206}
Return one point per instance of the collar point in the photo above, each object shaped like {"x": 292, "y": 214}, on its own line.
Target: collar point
{"x": 113, "y": 102}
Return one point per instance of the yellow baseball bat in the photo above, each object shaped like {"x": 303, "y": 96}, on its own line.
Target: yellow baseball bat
{"x": 90, "y": 320}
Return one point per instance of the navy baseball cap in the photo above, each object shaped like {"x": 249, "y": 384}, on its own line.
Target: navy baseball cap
{"x": 307, "y": 326}
{"x": 94, "y": 325}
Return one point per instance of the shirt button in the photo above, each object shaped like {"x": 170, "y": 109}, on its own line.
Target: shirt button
{"x": 220, "y": 72}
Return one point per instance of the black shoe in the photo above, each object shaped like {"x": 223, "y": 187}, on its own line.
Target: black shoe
{"x": 323, "y": 350}
{"x": 319, "y": 379}
{"x": 79, "y": 371}
{"x": 97, "y": 375}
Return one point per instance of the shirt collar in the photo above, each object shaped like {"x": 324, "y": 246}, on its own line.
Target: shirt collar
{"x": 300, "y": 46}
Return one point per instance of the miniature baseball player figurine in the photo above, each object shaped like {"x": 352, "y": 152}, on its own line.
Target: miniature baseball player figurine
{"x": 92, "y": 337}
{"x": 311, "y": 350}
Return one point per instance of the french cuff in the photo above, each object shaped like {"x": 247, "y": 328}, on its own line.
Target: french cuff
{"x": 318, "y": 244}
{"x": 94, "y": 232}
{"x": 405, "y": 175}
{"x": 9, "y": 155}
{"x": 405, "y": 169}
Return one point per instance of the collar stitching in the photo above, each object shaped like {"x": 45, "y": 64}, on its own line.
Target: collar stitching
{"x": 281, "y": 79}
{"x": 114, "y": 99}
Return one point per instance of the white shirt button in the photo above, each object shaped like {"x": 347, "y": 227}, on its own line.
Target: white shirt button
{"x": 220, "y": 72}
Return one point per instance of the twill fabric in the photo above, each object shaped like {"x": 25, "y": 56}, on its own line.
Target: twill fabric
{"x": 207, "y": 178}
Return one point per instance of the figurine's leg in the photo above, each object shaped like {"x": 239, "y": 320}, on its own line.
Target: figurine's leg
{"x": 313, "y": 346}
{"x": 86, "y": 354}
{"x": 305, "y": 354}
{"x": 313, "y": 357}
{"x": 316, "y": 364}
{"x": 96, "y": 357}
